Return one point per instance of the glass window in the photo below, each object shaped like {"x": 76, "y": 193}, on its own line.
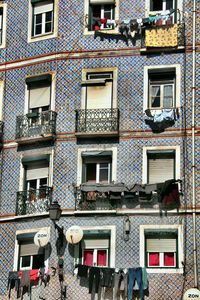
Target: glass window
{"x": 99, "y": 14}
{"x": 42, "y": 18}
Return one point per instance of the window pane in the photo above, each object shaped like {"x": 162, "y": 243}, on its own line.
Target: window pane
{"x": 169, "y": 4}
{"x": 38, "y": 261}
{"x": 168, "y": 96}
{"x": 169, "y": 259}
{"x": 103, "y": 176}
{"x": 102, "y": 258}
{"x": 26, "y": 261}
{"x": 96, "y": 11}
{"x": 108, "y": 11}
{"x": 88, "y": 257}
{"x": 32, "y": 184}
{"x": 48, "y": 27}
{"x": 157, "y": 5}
{"x": 155, "y": 96}
{"x": 91, "y": 172}
{"x": 154, "y": 259}
{"x": 49, "y": 16}
{"x": 38, "y": 29}
{"x": 38, "y": 19}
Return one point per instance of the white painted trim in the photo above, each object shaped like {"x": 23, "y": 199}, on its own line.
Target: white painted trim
{"x": 1, "y": 99}
{"x": 179, "y": 228}
{"x": 53, "y": 90}
{"x": 45, "y": 36}
{"x": 177, "y": 68}
{"x": 16, "y": 251}
{"x": 112, "y": 229}
{"x": 100, "y": 148}
{"x": 159, "y": 148}
{"x": 100, "y": 70}
{"x": 3, "y": 44}
{"x": 147, "y": 7}
{"x": 86, "y": 16}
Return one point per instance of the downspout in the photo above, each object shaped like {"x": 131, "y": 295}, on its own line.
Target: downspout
{"x": 193, "y": 146}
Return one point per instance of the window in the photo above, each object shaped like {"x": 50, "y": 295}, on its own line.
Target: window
{"x": 162, "y": 87}
{"x": 160, "y": 6}
{"x": 3, "y": 8}
{"x": 42, "y": 17}
{"x": 97, "y": 167}
{"x": 97, "y": 247}
{"x": 101, "y": 14}
{"x": 161, "y": 248}
{"x": 98, "y": 90}
{"x": 161, "y": 165}
{"x": 28, "y": 256}
{"x": 39, "y": 99}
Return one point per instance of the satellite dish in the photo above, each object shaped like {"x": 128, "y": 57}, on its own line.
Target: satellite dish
{"x": 74, "y": 234}
{"x": 41, "y": 238}
{"x": 191, "y": 294}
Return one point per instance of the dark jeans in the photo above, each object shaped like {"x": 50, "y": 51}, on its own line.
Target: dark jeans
{"x": 107, "y": 277}
{"x": 135, "y": 274}
{"x": 94, "y": 277}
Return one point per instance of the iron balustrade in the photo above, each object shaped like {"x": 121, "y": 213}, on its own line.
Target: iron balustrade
{"x": 181, "y": 34}
{"x": 36, "y": 124}
{"x": 33, "y": 201}
{"x": 97, "y": 120}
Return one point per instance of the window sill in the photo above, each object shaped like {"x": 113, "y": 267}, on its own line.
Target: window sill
{"x": 165, "y": 271}
{"x": 108, "y": 31}
{"x": 42, "y": 37}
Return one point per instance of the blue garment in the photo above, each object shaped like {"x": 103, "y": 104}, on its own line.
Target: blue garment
{"x": 135, "y": 274}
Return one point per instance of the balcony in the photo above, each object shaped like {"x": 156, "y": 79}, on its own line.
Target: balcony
{"x": 36, "y": 127}
{"x": 97, "y": 122}
{"x": 163, "y": 38}
{"x": 97, "y": 197}
{"x": 33, "y": 201}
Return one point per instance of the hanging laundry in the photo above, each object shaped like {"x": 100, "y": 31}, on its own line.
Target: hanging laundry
{"x": 162, "y": 36}
{"x": 120, "y": 283}
{"x": 13, "y": 282}
{"x": 135, "y": 274}
{"x": 94, "y": 279}
{"x": 107, "y": 277}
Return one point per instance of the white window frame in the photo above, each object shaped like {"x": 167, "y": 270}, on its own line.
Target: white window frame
{"x": 112, "y": 229}
{"x": 161, "y": 84}
{"x": 17, "y": 248}
{"x": 160, "y": 148}
{"x": 99, "y": 70}
{"x": 80, "y": 161}
{"x": 36, "y": 155}
{"x": 53, "y": 91}
{"x": 166, "y": 68}
{"x": 1, "y": 99}
{"x": 3, "y": 43}
{"x": 43, "y": 22}
{"x": 43, "y": 36}
{"x": 95, "y": 252}
{"x": 148, "y": 12}
{"x": 161, "y": 265}
{"x": 98, "y": 170}
{"x": 179, "y": 228}
{"x": 86, "y": 18}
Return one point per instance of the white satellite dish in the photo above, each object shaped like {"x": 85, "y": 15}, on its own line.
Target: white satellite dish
{"x": 41, "y": 238}
{"x": 74, "y": 234}
{"x": 191, "y": 294}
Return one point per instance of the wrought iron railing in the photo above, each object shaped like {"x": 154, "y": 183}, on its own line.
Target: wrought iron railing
{"x": 181, "y": 34}
{"x": 33, "y": 201}
{"x": 97, "y": 120}
{"x": 36, "y": 124}
{"x": 93, "y": 201}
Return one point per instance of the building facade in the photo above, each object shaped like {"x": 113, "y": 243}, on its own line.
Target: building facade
{"x": 96, "y": 108}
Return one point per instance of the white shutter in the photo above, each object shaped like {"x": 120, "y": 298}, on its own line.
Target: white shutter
{"x": 36, "y": 171}
{"x": 43, "y": 7}
{"x": 161, "y": 245}
{"x": 95, "y": 244}
{"x": 160, "y": 169}
{"x": 40, "y": 96}
{"x": 99, "y": 96}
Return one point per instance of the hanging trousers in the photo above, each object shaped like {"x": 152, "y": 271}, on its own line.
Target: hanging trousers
{"x": 94, "y": 278}
{"x": 120, "y": 283}
{"x": 135, "y": 274}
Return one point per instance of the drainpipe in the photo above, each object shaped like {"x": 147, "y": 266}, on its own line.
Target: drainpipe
{"x": 193, "y": 145}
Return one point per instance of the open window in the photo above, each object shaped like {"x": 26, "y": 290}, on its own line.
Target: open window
{"x": 161, "y": 165}
{"x": 97, "y": 167}
{"x": 97, "y": 247}
{"x": 162, "y": 89}
{"x": 159, "y": 7}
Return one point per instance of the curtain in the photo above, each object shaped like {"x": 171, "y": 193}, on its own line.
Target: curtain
{"x": 102, "y": 258}
{"x": 169, "y": 259}
{"x": 88, "y": 257}
{"x": 154, "y": 259}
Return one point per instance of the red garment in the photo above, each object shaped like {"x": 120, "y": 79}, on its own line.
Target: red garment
{"x": 34, "y": 275}
{"x": 103, "y": 21}
{"x": 96, "y": 27}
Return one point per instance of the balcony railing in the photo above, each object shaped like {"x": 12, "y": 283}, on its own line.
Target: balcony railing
{"x": 99, "y": 121}
{"x": 33, "y": 201}
{"x": 36, "y": 124}
{"x": 163, "y": 36}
